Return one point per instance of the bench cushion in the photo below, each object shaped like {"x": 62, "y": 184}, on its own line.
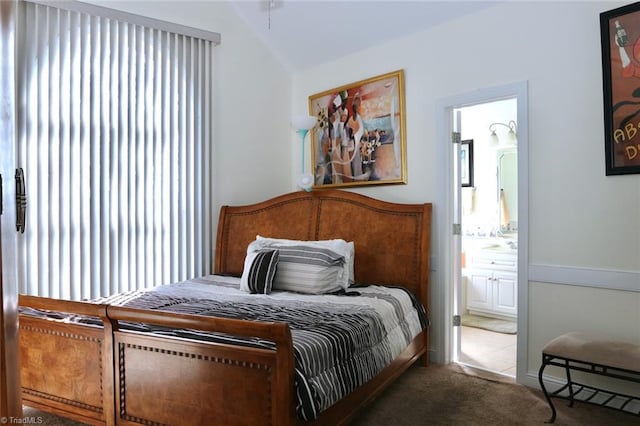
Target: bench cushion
{"x": 595, "y": 349}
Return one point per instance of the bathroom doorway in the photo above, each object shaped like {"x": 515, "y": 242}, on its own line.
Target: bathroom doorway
{"x": 488, "y": 306}
{"x": 451, "y": 230}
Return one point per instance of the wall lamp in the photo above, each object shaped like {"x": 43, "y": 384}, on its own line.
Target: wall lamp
{"x": 511, "y": 135}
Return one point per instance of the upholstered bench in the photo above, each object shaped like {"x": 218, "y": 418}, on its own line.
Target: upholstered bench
{"x": 592, "y": 354}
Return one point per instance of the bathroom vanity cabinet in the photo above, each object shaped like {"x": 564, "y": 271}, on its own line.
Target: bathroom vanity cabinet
{"x": 492, "y": 283}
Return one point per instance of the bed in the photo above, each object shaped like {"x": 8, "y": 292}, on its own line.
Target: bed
{"x": 107, "y": 374}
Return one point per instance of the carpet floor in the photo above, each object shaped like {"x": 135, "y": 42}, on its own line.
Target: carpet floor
{"x": 455, "y": 395}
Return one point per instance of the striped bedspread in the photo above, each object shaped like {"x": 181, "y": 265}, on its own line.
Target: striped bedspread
{"x": 340, "y": 341}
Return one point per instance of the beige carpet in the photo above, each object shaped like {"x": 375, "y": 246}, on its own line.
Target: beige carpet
{"x": 453, "y": 395}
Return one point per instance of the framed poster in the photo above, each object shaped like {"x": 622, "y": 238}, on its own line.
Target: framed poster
{"x": 466, "y": 163}
{"x": 620, "y": 37}
{"x": 360, "y": 135}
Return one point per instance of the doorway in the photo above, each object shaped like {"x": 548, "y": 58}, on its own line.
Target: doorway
{"x": 451, "y": 209}
{"x": 489, "y": 236}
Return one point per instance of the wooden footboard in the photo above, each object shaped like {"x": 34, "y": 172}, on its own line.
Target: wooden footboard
{"x": 73, "y": 370}
{"x": 65, "y": 368}
{"x": 171, "y": 381}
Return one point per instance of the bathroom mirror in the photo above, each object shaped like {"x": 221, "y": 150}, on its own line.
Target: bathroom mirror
{"x": 507, "y": 164}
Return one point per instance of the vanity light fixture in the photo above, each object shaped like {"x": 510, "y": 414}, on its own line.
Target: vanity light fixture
{"x": 302, "y": 124}
{"x": 512, "y": 138}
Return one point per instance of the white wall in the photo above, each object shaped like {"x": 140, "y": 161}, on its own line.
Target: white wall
{"x": 578, "y": 217}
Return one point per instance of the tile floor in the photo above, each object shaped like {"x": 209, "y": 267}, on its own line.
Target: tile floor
{"x": 488, "y": 350}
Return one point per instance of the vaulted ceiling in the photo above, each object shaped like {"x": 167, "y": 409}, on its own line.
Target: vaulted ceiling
{"x": 305, "y": 33}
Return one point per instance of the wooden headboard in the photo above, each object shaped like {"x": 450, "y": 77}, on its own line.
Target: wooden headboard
{"x": 391, "y": 240}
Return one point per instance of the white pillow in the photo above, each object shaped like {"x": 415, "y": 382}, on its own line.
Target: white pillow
{"x": 347, "y": 249}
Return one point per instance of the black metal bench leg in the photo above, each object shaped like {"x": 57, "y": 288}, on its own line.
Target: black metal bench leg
{"x": 569, "y": 383}
{"x": 544, "y": 389}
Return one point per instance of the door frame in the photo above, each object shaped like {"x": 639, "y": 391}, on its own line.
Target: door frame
{"x": 444, "y": 294}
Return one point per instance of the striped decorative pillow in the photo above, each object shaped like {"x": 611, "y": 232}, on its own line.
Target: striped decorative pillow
{"x": 309, "y": 279}
{"x": 308, "y": 269}
{"x": 259, "y": 269}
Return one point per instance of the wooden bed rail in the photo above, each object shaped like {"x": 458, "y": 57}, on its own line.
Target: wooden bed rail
{"x": 66, "y": 306}
{"x": 274, "y": 331}
{"x": 277, "y": 332}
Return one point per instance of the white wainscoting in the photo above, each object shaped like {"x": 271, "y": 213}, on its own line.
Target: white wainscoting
{"x": 586, "y": 277}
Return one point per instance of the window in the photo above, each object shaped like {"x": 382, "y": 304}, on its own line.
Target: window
{"x": 114, "y": 134}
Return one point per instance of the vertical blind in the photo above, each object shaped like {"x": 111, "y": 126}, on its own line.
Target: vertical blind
{"x": 114, "y": 135}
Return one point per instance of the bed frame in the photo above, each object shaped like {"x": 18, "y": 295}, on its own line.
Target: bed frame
{"x": 105, "y": 375}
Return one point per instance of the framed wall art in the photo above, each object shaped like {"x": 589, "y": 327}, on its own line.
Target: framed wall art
{"x": 620, "y": 37}
{"x": 360, "y": 135}
{"x": 466, "y": 161}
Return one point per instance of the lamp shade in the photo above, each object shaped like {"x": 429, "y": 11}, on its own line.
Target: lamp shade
{"x": 305, "y": 181}
{"x": 303, "y": 122}
{"x": 511, "y": 139}
{"x": 494, "y": 141}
